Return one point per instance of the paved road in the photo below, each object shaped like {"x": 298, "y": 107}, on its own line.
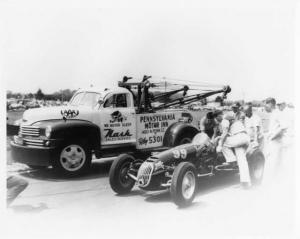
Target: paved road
{"x": 53, "y": 206}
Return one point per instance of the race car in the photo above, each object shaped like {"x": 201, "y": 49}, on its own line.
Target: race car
{"x": 178, "y": 169}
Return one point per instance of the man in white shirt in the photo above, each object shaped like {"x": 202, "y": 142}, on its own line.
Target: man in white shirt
{"x": 233, "y": 144}
{"x": 275, "y": 138}
{"x": 253, "y": 126}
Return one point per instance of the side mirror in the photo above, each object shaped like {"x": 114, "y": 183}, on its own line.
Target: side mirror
{"x": 100, "y": 102}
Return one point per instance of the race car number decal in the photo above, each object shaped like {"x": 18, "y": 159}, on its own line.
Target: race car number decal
{"x": 183, "y": 153}
{"x": 176, "y": 154}
{"x": 179, "y": 153}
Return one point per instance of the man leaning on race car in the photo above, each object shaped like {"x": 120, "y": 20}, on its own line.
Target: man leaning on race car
{"x": 233, "y": 143}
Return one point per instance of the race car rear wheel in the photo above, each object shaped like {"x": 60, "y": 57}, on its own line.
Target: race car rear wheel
{"x": 119, "y": 180}
{"x": 256, "y": 164}
{"x": 184, "y": 184}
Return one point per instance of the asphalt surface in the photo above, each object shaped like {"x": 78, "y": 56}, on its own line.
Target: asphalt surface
{"x": 59, "y": 207}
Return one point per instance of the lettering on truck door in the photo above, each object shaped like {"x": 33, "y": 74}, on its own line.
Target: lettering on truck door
{"x": 151, "y": 128}
{"x": 118, "y": 124}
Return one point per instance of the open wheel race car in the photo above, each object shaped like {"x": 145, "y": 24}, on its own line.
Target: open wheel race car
{"x": 178, "y": 169}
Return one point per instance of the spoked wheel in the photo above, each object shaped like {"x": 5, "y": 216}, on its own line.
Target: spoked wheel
{"x": 184, "y": 185}
{"x": 188, "y": 185}
{"x": 119, "y": 180}
{"x": 74, "y": 158}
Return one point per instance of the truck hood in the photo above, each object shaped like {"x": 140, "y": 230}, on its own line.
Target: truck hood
{"x": 57, "y": 112}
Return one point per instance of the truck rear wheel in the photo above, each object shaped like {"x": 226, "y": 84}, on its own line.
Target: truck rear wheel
{"x": 184, "y": 184}
{"x": 184, "y": 138}
{"x": 119, "y": 181}
{"x": 73, "y": 159}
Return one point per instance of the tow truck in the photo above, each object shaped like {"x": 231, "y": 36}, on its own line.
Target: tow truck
{"x": 132, "y": 118}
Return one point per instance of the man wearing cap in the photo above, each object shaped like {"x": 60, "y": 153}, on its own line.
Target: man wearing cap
{"x": 233, "y": 144}
{"x": 275, "y": 138}
{"x": 236, "y": 108}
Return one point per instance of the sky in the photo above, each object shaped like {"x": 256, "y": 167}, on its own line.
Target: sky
{"x": 249, "y": 48}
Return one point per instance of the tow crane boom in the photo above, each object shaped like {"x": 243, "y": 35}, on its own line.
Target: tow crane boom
{"x": 144, "y": 98}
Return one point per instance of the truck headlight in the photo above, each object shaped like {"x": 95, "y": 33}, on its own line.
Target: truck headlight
{"x": 18, "y": 122}
{"x": 48, "y": 131}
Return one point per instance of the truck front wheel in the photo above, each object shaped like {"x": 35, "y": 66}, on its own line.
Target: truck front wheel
{"x": 74, "y": 158}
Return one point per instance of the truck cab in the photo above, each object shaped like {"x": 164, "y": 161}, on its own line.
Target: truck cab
{"x": 52, "y": 136}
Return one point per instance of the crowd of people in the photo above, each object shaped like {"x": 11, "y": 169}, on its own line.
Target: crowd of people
{"x": 240, "y": 129}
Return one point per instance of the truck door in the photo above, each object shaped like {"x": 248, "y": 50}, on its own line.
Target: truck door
{"x": 118, "y": 122}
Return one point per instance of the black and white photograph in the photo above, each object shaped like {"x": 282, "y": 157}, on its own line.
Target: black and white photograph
{"x": 149, "y": 120}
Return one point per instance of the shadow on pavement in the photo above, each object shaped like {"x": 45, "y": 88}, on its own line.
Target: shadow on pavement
{"x": 159, "y": 196}
{"x": 29, "y": 208}
{"x": 205, "y": 186}
{"x": 97, "y": 170}
{"x": 215, "y": 183}
{"x": 132, "y": 193}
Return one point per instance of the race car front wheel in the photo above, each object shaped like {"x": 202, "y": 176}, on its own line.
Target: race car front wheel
{"x": 184, "y": 184}
{"x": 119, "y": 180}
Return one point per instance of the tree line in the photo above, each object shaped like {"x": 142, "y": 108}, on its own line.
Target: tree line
{"x": 66, "y": 95}
{"x": 63, "y": 95}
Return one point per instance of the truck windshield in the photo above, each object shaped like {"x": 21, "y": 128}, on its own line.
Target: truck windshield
{"x": 85, "y": 99}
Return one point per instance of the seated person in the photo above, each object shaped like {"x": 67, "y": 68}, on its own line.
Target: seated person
{"x": 207, "y": 124}
{"x": 201, "y": 139}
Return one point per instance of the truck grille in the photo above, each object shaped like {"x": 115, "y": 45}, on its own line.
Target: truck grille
{"x": 144, "y": 174}
{"x": 29, "y": 131}
{"x": 34, "y": 142}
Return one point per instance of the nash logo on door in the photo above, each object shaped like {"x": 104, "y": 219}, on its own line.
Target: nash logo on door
{"x": 117, "y": 117}
{"x": 117, "y": 128}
